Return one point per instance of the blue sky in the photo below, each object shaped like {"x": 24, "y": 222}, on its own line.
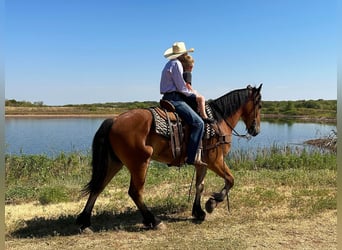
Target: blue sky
{"x": 88, "y": 51}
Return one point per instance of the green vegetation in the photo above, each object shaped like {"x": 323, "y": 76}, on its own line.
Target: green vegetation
{"x": 15, "y": 103}
{"x": 311, "y": 108}
{"x": 26, "y": 108}
{"x": 309, "y": 175}
{"x": 117, "y": 105}
{"x": 43, "y": 178}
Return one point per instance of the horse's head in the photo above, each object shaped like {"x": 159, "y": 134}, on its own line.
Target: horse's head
{"x": 251, "y": 110}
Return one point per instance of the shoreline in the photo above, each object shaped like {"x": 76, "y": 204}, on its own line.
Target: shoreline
{"x": 56, "y": 116}
{"x": 299, "y": 118}
{"x": 89, "y": 115}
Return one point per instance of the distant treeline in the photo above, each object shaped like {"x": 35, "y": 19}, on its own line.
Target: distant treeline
{"x": 15, "y": 103}
{"x": 117, "y": 105}
{"x": 120, "y": 105}
{"x": 316, "y": 108}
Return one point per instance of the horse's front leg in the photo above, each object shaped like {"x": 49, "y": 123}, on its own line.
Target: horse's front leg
{"x": 197, "y": 210}
{"x": 217, "y": 198}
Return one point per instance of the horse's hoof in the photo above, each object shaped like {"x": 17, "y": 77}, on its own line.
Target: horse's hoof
{"x": 86, "y": 230}
{"x": 159, "y": 226}
{"x": 199, "y": 214}
{"x": 210, "y": 205}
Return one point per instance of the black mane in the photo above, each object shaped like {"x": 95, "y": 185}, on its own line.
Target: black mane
{"x": 228, "y": 104}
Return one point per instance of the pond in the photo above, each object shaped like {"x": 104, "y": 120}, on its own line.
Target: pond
{"x": 52, "y": 136}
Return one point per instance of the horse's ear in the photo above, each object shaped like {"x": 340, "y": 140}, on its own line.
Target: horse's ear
{"x": 259, "y": 89}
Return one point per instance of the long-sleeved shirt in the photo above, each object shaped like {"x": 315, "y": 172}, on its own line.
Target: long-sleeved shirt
{"x": 172, "y": 79}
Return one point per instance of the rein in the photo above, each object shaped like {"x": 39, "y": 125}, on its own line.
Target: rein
{"x": 235, "y": 133}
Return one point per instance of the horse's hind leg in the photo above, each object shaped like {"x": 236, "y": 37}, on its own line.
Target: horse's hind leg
{"x": 84, "y": 218}
{"x": 136, "y": 193}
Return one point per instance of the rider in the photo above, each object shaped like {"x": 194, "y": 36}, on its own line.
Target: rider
{"x": 174, "y": 89}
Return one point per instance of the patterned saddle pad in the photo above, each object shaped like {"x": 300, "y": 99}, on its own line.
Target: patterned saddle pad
{"x": 162, "y": 127}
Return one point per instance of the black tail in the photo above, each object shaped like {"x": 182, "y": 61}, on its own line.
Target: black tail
{"x": 101, "y": 149}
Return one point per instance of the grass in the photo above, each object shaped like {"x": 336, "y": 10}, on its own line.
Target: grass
{"x": 60, "y": 178}
{"x": 33, "y": 177}
{"x": 279, "y": 194}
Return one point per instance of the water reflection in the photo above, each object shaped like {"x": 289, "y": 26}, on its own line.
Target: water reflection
{"x": 283, "y": 134}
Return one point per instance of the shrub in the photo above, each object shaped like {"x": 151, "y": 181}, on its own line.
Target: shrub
{"x": 49, "y": 195}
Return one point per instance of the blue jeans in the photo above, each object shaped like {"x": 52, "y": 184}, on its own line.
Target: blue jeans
{"x": 192, "y": 119}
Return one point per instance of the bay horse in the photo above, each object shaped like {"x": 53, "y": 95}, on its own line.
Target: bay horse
{"x": 129, "y": 140}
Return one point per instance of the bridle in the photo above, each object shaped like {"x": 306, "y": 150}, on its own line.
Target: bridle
{"x": 247, "y": 136}
{"x": 257, "y": 106}
{"x": 226, "y": 139}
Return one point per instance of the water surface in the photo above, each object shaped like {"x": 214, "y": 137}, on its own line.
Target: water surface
{"x": 53, "y": 136}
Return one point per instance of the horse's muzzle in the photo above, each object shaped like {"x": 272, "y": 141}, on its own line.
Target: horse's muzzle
{"x": 254, "y": 130}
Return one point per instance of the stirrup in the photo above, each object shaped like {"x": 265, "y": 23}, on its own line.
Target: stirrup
{"x": 198, "y": 159}
{"x": 200, "y": 163}
{"x": 197, "y": 163}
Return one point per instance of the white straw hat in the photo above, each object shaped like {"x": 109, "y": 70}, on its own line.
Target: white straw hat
{"x": 177, "y": 49}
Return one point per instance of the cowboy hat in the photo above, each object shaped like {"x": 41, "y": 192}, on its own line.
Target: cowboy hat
{"x": 177, "y": 49}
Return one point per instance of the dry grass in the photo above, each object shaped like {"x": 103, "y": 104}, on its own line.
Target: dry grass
{"x": 241, "y": 229}
{"x": 264, "y": 215}
{"x": 60, "y": 111}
